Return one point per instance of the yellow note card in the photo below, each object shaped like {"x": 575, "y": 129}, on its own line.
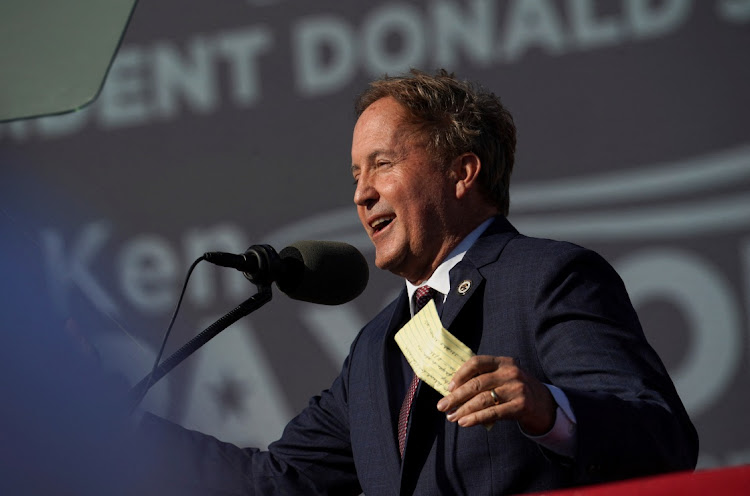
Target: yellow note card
{"x": 433, "y": 353}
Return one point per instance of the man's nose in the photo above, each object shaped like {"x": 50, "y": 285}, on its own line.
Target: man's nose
{"x": 365, "y": 193}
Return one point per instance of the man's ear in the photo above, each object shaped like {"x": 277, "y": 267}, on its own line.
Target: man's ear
{"x": 465, "y": 170}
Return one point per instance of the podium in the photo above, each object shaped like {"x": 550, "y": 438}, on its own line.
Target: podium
{"x": 733, "y": 481}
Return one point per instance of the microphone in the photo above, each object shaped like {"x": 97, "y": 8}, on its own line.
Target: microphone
{"x": 324, "y": 272}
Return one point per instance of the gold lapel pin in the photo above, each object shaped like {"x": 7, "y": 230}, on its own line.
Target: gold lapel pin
{"x": 463, "y": 288}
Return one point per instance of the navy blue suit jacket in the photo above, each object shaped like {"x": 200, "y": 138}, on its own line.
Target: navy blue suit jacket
{"x": 560, "y": 310}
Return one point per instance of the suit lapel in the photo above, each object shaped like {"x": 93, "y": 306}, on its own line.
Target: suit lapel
{"x": 465, "y": 280}
{"x": 466, "y": 277}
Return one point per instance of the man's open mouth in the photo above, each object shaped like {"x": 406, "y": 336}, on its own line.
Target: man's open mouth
{"x": 381, "y": 223}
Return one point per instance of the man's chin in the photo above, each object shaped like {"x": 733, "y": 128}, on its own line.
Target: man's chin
{"x": 382, "y": 264}
{"x": 394, "y": 264}
{"x": 386, "y": 261}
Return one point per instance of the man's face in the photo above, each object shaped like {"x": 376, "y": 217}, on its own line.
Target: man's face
{"x": 403, "y": 197}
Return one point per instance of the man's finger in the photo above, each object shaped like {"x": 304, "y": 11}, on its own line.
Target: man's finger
{"x": 476, "y": 365}
{"x": 488, "y": 416}
{"x": 481, "y": 400}
{"x": 465, "y": 392}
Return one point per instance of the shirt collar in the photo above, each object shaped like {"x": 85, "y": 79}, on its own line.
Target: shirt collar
{"x": 440, "y": 279}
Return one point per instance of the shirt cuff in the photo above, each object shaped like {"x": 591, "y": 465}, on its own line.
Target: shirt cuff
{"x": 561, "y": 438}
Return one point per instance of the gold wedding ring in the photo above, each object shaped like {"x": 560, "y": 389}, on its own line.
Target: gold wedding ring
{"x": 495, "y": 397}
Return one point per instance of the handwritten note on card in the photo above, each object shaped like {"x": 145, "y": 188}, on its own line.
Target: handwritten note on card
{"x": 433, "y": 353}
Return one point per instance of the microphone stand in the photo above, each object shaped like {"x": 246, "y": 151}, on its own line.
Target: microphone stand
{"x": 137, "y": 392}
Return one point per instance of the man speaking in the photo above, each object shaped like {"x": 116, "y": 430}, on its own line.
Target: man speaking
{"x": 563, "y": 388}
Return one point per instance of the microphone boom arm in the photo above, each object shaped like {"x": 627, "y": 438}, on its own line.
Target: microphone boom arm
{"x": 248, "y": 306}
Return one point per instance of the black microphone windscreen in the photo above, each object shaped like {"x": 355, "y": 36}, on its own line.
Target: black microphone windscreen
{"x": 325, "y": 272}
